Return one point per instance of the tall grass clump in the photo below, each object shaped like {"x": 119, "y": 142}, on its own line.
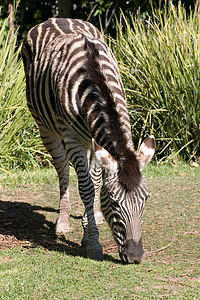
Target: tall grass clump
{"x": 159, "y": 60}
{"x": 20, "y": 145}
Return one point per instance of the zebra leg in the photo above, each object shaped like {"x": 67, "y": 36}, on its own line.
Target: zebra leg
{"x": 62, "y": 223}
{"x": 85, "y": 239}
{"x": 56, "y": 149}
{"x": 95, "y": 173}
{"x": 78, "y": 156}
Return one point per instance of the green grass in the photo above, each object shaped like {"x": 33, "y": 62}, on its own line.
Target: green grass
{"x": 36, "y": 264}
{"x": 159, "y": 61}
{"x": 20, "y": 145}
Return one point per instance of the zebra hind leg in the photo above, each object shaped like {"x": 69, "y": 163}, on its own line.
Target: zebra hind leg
{"x": 62, "y": 224}
{"x": 56, "y": 149}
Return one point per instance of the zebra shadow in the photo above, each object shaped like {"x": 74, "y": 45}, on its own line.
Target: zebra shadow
{"x": 26, "y": 225}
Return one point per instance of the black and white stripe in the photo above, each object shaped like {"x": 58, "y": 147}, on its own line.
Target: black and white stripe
{"x": 76, "y": 96}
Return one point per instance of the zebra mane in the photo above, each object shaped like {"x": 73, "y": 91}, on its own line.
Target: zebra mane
{"x": 115, "y": 141}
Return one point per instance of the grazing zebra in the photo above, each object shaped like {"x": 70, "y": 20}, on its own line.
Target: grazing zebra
{"x": 76, "y": 96}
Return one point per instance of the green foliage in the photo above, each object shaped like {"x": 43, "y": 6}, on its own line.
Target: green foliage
{"x": 101, "y": 12}
{"x": 20, "y": 145}
{"x": 159, "y": 60}
{"x": 29, "y": 13}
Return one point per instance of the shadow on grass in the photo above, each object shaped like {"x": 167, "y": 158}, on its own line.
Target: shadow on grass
{"x": 24, "y": 222}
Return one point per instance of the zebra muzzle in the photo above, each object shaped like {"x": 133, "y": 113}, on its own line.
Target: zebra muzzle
{"x": 133, "y": 253}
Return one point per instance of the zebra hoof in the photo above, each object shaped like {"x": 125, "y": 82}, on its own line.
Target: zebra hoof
{"x": 95, "y": 252}
{"x": 62, "y": 227}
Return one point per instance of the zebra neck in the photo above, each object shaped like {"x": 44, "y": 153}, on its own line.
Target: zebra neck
{"x": 103, "y": 106}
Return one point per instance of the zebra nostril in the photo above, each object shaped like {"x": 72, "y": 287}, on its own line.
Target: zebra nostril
{"x": 136, "y": 261}
{"x": 130, "y": 260}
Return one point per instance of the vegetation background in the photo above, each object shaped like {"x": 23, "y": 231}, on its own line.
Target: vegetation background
{"x": 98, "y": 12}
{"x": 157, "y": 46}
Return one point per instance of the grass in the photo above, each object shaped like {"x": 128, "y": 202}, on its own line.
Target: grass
{"x": 159, "y": 63}
{"x": 20, "y": 145}
{"x": 36, "y": 264}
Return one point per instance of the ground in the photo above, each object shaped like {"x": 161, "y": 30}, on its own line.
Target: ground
{"x": 170, "y": 227}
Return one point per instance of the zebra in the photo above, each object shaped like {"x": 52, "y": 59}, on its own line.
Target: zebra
{"x": 76, "y": 96}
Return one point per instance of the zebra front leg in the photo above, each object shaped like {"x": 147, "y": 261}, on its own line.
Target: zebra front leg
{"x": 56, "y": 149}
{"x": 85, "y": 239}
{"x": 91, "y": 234}
{"x": 95, "y": 173}
{"x": 78, "y": 157}
{"x": 93, "y": 247}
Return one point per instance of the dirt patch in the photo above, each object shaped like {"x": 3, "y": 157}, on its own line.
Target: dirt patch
{"x": 9, "y": 241}
{"x": 109, "y": 247}
{"x": 27, "y": 225}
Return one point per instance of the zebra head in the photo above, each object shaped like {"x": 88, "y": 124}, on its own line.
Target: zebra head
{"x": 122, "y": 207}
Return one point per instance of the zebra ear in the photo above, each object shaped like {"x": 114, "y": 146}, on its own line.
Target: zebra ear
{"x": 147, "y": 150}
{"x": 104, "y": 158}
